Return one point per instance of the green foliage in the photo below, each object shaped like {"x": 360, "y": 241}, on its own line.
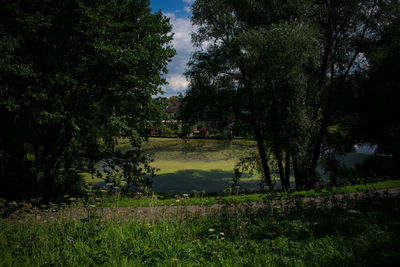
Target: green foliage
{"x": 258, "y": 72}
{"x": 250, "y": 163}
{"x": 301, "y": 236}
{"x": 201, "y": 125}
{"x": 186, "y": 129}
{"x": 204, "y": 198}
{"x": 73, "y": 76}
{"x": 286, "y": 70}
{"x": 376, "y": 95}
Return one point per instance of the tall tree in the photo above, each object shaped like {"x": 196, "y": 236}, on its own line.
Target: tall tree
{"x": 374, "y": 110}
{"x": 344, "y": 27}
{"x": 251, "y": 65}
{"x": 73, "y": 76}
{"x": 262, "y": 54}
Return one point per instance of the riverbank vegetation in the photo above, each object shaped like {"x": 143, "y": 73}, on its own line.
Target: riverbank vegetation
{"x": 347, "y": 233}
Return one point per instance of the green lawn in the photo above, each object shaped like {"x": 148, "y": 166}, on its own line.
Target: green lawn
{"x": 197, "y": 164}
{"x": 194, "y": 164}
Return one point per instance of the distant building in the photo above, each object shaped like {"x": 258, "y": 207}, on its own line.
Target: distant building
{"x": 173, "y": 108}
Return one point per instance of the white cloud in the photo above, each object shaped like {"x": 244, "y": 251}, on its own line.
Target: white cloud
{"x": 188, "y": 1}
{"x": 177, "y": 83}
{"x": 170, "y": 15}
{"x": 187, "y": 9}
{"x": 182, "y": 29}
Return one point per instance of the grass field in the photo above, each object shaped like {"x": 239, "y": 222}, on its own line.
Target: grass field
{"x": 197, "y": 164}
{"x": 185, "y": 165}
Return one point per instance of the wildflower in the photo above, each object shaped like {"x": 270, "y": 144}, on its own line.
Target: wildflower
{"x": 221, "y": 233}
{"x": 185, "y": 195}
{"x": 211, "y": 230}
{"x": 66, "y": 196}
{"x": 92, "y": 206}
{"x": 72, "y": 199}
{"x": 177, "y": 200}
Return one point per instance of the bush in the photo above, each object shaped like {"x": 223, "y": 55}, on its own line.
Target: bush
{"x": 223, "y": 136}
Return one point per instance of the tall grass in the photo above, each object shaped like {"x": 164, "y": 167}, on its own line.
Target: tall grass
{"x": 203, "y": 198}
{"x": 365, "y": 233}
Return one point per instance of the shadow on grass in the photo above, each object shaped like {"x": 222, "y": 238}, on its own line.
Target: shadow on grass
{"x": 185, "y": 181}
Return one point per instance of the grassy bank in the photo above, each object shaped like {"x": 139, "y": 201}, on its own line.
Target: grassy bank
{"x": 364, "y": 235}
{"x": 201, "y": 198}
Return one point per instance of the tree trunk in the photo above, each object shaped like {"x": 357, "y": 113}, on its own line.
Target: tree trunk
{"x": 287, "y": 169}
{"x": 281, "y": 170}
{"x": 396, "y": 164}
{"x": 49, "y": 162}
{"x": 299, "y": 173}
{"x": 317, "y": 145}
{"x": 263, "y": 156}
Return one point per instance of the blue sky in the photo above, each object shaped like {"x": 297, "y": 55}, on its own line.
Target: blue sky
{"x": 179, "y": 13}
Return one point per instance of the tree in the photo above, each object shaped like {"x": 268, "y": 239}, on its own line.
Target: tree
{"x": 250, "y": 65}
{"x": 74, "y": 75}
{"x": 383, "y": 85}
{"x": 284, "y": 67}
{"x": 374, "y": 112}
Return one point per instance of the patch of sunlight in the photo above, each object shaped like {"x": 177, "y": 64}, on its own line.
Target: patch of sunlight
{"x": 91, "y": 179}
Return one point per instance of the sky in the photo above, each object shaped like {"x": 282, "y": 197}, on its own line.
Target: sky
{"x": 179, "y": 13}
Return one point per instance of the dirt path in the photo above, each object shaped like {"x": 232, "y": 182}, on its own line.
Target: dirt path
{"x": 164, "y": 212}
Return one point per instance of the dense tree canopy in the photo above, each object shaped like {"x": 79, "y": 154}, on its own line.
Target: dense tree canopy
{"x": 74, "y": 75}
{"x": 285, "y": 68}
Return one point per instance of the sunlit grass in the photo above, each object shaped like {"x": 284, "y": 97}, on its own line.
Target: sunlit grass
{"x": 171, "y": 166}
{"x": 91, "y": 179}
{"x": 184, "y": 165}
